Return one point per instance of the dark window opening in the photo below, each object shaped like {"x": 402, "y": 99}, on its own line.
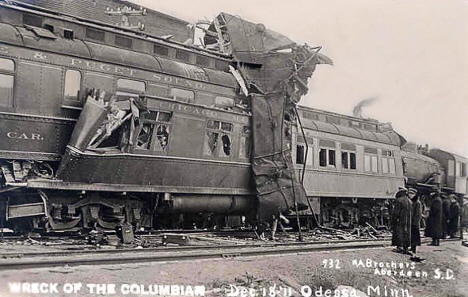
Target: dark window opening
{"x": 160, "y": 50}
{"x": 352, "y": 159}
{"x": 145, "y": 136}
{"x": 68, "y": 34}
{"x": 163, "y": 136}
{"x": 226, "y": 144}
{"x": 323, "y": 157}
{"x": 49, "y": 27}
{"x": 123, "y": 41}
{"x": 32, "y": 20}
{"x": 182, "y": 55}
{"x": 344, "y": 160}
{"x": 300, "y": 154}
{"x": 331, "y": 157}
{"x": 95, "y": 34}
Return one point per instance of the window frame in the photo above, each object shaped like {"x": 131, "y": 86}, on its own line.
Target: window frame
{"x": 154, "y": 137}
{"x": 11, "y": 73}
{"x": 327, "y": 156}
{"x": 245, "y": 139}
{"x": 119, "y": 91}
{"x": 78, "y": 99}
{"x": 348, "y": 156}
{"x": 219, "y": 151}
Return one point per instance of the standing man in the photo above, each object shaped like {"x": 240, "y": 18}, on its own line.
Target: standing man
{"x": 454, "y": 216}
{"x": 401, "y": 221}
{"x": 445, "y": 215}
{"x": 416, "y": 216}
{"x": 434, "y": 221}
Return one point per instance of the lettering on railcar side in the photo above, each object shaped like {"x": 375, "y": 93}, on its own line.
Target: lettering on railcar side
{"x": 25, "y": 136}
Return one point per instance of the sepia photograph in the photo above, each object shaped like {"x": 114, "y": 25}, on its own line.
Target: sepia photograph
{"x": 247, "y": 148}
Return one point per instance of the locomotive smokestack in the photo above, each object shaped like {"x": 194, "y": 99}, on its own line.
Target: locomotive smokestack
{"x": 357, "y": 110}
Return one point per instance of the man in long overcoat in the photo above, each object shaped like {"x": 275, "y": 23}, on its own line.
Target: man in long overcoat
{"x": 401, "y": 221}
{"x": 416, "y": 216}
{"x": 445, "y": 215}
{"x": 454, "y": 217}
{"x": 434, "y": 221}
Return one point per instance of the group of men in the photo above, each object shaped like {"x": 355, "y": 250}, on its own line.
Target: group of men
{"x": 443, "y": 219}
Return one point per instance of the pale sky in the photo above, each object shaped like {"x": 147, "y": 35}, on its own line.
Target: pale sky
{"x": 411, "y": 55}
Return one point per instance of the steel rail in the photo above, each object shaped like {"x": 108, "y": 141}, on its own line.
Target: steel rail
{"x": 165, "y": 255}
{"x": 69, "y": 252}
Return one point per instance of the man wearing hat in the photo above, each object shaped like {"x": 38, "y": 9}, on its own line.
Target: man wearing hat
{"x": 434, "y": 221}
{"x": 416, "y": 215}
{"x": 401, "y": 221}
{"x": 445, "y": 214}
{"x": 454, "y": 216}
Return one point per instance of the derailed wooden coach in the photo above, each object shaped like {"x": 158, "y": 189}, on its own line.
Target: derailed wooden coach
{"x": 202, "y": 163}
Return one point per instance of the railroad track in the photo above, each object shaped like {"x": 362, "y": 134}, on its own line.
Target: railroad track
{"x": 170, "y": 254}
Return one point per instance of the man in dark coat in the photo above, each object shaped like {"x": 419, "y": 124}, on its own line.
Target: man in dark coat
{"x": 416, "y": 216}
{"x": 434, "y": 221}
{"x": 454, "y": 216}
{"x": 401, "y": 221}
{"x": 445, "y": 215}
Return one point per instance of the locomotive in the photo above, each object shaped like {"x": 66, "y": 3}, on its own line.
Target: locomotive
{"x": 104, "y": 125}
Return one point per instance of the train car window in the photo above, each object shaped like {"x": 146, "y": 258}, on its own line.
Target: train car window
{"x": 458, "y": 169}
{"x": 450, "y": 169}
{"x": 323, "y": 157}
{"x": 300, "y": 154}
{"x": 95, "y": 34}
{"x": 202, "y": 60}
{"x": 127, "y": 87}
{"x": 123, "y": 41}
{"x": 68, "y": 34}
{"x": 352, "y": 161}
{"x": 221, "y": 65}
{"x": 244, "y": 150}
{"x": 385, "y": 165}
{"x": 49, "y": 27}
{"x": 32, "y": 20}
{"x": 226, "y": 126}
{"x": 331, "y": 158}
{"x": 6, "y": 89}
{"x": 310, "y": 115}
{"x": 7, "y": 64}
{"x": 7, "y": 81}
{"x": 374, "y": 163}
{"x": 391, "y": 165}
{"x": 218, "y": 139}
{"x": 160, "y": 50}
{"x": 367, "y": 163}
{"x": 155, "y": 131}
{"x": 327, "y": 157}
{"x": 182, "y": 55}
{"x": 145, "y": 136}
{"x": 182, "y": 95}
{"x": 72, "y": 84}
{"x": 463, "y": 170}
{"x": 345, "y": 160}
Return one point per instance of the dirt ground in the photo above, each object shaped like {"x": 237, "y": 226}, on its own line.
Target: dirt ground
{"x": 444, "y": 272}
